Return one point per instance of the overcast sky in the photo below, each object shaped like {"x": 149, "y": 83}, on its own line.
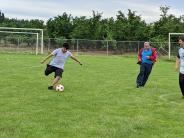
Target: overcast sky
{"x": 45, "y": 9}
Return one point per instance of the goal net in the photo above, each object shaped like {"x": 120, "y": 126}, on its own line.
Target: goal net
{"x": 21, "y": 40}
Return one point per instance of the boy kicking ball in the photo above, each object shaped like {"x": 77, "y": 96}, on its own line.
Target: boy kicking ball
{"x": 57, "y": 63}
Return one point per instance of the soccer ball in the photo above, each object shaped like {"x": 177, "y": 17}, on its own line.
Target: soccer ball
{"x": 59, "y": 88}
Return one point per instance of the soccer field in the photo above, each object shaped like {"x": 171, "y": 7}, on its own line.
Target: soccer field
{"x": 100, "y": 100}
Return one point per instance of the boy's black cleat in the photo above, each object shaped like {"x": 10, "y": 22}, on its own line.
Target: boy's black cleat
{"x": 138, "y": 86}
{"x": 50, "y": 88}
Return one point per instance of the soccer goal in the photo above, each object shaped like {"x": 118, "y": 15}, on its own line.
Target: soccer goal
{"x": 172, "y": 45}
{"x": 27, "y": 31}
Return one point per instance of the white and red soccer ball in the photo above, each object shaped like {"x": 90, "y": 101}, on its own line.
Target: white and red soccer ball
{"x": 60, "y": 88}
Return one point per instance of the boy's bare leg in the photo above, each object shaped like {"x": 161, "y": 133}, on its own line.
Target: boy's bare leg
{"x": 55, "y": 81}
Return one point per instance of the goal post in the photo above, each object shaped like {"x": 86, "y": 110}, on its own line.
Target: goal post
{"x": 169, "y": 42}
{"x": 28, "y": 29}
{"x": 9, "y": 32}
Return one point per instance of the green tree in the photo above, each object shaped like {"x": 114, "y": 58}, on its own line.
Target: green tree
{"x": 168, "y": 23}
{"x": 131, "y": 27}
{"x": 60, "y": 26}
{"x": 81, "y": 28}
{"x": 2, "y": 17}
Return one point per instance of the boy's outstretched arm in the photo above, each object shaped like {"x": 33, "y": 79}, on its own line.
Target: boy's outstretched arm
{"x": 49, "y": 56}
{"x": 74, "y": 58}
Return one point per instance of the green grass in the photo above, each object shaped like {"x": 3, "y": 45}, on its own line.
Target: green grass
{"x": 100, "y": 100}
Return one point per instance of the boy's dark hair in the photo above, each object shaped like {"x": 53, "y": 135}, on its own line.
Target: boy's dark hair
{"x": 66, "y": 45}
{"x": 181, "y": 38}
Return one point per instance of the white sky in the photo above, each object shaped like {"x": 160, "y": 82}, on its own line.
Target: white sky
{"x": 45, "y": 9}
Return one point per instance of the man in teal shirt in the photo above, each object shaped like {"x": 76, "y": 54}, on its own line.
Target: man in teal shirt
{"x": 146, "y": 59}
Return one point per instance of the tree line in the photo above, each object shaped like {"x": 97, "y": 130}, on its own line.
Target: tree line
{"x": 125, "y": 27}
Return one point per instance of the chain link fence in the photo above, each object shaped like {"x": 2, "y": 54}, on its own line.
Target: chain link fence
{"x": 107, "y": 47}
{"x": 84, "y": 46}
{"x": 18, "y": 45}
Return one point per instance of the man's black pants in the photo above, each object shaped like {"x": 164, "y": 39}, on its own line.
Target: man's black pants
{"x": 181, "y": 83}
{"x": 145, "y": 70}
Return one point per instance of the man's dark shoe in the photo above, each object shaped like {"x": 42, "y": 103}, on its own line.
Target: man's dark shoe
{"x": 50, "y": 88}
